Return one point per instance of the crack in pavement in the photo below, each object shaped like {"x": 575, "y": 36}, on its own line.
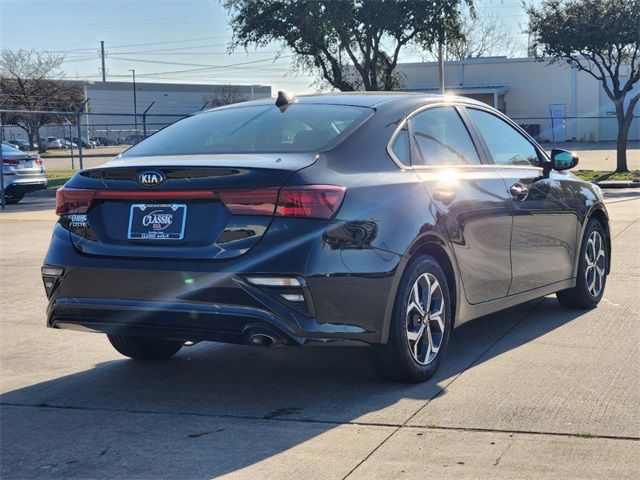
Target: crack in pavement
{"x": 423, "y": 406}
{"x": 497, "y": 462}
{"x": 625, "y": 228}
{"x": 478, "y": 358}
{"x": 395, "y": 426}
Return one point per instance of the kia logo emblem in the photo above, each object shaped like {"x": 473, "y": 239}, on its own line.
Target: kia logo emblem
{"x": 151, "y": 178}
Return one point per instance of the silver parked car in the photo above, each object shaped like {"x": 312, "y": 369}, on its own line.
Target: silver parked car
{"x": 23, "y": 173}
{"x": 53, "y": 143}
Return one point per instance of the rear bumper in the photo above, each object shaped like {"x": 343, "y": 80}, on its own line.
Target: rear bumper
{"x": 193, "y": 322}
{"x": 22, "y": 186}
{"x": 212, "y": 300}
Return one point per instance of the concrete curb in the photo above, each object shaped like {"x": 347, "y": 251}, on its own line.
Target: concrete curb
{"x": 618, "y": 184}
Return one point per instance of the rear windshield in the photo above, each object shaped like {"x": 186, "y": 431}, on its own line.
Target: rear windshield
{"x": 9, "y": 149}
{"x": 262, "y": 128}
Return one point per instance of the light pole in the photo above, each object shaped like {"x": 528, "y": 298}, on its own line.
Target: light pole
{"x": 71, "y": 140}
{"x": 441, "y": 40}
{"x": 2, "y": 199}
{"x": 135, "y": 104}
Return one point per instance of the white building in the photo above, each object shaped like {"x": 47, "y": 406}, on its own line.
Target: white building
{"x": 164, "y": 103}
{"x": 532, "y": 93}
{"x": 111, "y": 107}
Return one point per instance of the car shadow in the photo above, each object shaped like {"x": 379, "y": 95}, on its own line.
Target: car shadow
{"x": 34, "y": 202}
{"x": 284, "y": 396}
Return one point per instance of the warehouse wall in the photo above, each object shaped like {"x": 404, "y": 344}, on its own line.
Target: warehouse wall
{"x": 532, "y": 87}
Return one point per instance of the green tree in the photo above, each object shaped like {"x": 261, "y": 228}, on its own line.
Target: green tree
{"x": 30, "y": 80}
{"x": 352, "y": 44}
{"x": 600, "y": 37}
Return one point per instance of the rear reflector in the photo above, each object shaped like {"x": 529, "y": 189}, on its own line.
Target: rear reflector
{"x": 51, "y": 271}
{"x": 50, "y": 277}
{"x": 309, "y": 201}
{"x": 293, "y": 297}
{"x": 275, "y": 281}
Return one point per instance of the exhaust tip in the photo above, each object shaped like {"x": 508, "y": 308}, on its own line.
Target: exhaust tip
{"x": 261, "y": 340}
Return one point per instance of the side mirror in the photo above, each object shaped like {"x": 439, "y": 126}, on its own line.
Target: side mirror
{"x": 562, "y": 159}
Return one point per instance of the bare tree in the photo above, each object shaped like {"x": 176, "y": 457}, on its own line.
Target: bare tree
{"x": 482, "y": 36}
{"x": 31, "y": 80}
{"x": 224, "y": 95}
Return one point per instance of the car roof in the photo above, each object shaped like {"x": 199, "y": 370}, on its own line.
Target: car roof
{"x": 363, "y": 99}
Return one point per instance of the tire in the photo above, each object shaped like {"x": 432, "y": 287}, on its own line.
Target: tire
{"x": 13, "y": 199}
{"x": 144, "y": 348}
{"x": 400, "y": 360}
{"x": 592, "y": 276}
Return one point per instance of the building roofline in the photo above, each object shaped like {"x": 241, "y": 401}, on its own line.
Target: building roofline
{"x": 468, "y": 61}
{"x": 151, "y": 85}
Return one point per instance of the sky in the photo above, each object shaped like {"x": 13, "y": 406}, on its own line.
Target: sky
{"x": 182, "y": 41}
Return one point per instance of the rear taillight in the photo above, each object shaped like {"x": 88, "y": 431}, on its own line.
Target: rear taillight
{"x": 73, "y": 200}
{"x": 260, "y": 201}
{"x": 78, "y": 201}
{"x": 38, "y": 161}
{"x": 310, "y": 201}
{"x": 10, "y": 161}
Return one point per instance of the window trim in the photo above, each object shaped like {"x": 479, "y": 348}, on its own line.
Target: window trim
{"x": 393, "y": 138}
{"x": 476, "y": 138}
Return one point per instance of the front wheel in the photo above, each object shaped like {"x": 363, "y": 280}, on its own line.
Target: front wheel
{"x": 420, "y": 325}
{"x": 13, "y": 199}
{"x": 144, "y": 348}
{"x": 592, "y": 270}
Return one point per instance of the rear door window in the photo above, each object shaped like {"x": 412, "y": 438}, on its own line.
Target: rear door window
{"x": 254, "y": 129}
{"x": 442, "y": 138}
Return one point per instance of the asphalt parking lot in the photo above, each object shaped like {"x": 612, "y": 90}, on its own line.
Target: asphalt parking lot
{"x": 533, "y": 392}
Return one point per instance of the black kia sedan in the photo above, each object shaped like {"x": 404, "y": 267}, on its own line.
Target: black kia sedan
{"x": 380, "y": 219}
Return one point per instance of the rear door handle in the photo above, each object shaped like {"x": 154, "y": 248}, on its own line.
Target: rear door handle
{"x": 444, "y": 196}
{"x": 518, "y": 191}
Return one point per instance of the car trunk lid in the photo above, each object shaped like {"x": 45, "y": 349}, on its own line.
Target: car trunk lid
{"x": 203, "y": 207}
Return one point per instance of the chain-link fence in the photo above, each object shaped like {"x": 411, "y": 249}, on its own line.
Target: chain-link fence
{"x": 593, "y": 138}
{"x": 70, "y": 141}
{"x": 85, "y": 139}
{"x": 81, "y": 139}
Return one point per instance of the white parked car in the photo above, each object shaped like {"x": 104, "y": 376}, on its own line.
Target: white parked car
{"x": 67, "y": 144}
{"x": 23, "y": 173}
{"x": 53, "y": 143}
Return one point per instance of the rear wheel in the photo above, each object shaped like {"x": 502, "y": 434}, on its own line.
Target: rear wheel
{"x": 14, "y": 198}
{"x": 592, "y": 270}
{"x": 144, "y": 348}
{"x": 420, "y": 326}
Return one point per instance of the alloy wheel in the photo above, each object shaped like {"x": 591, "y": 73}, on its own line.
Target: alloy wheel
{"x": 425, "y": 319}
{"x": 595, "y": 263}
